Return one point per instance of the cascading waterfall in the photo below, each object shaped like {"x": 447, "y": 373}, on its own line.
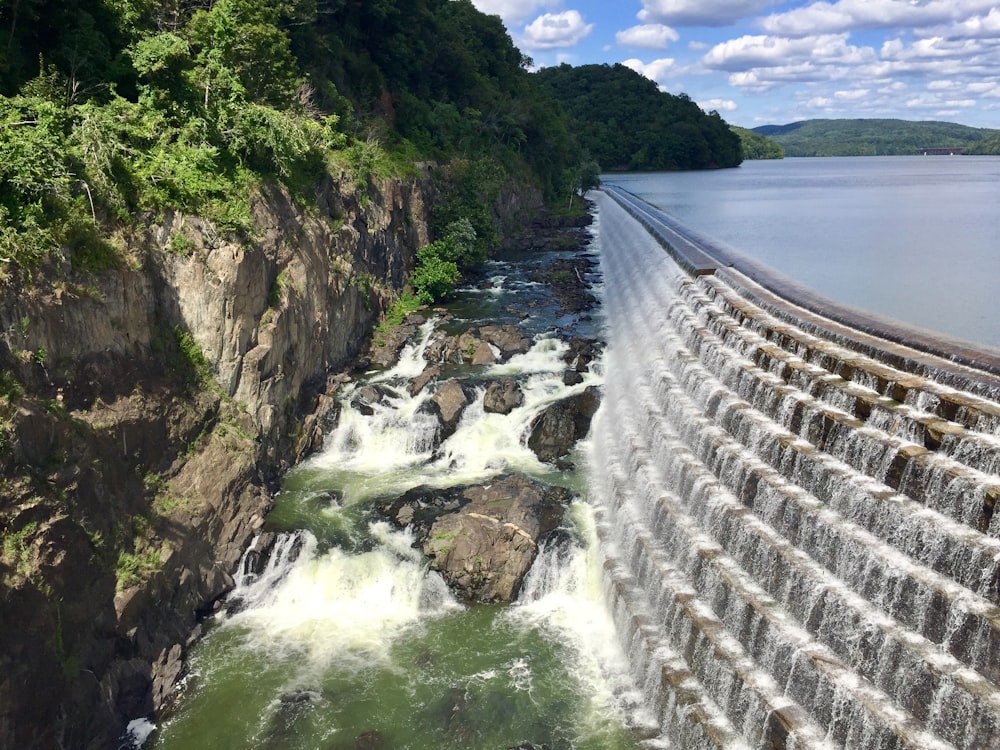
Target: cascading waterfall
{"x": 787, "y": 539}
{"x": 798, "y": 537}
{"x": 346, "y": 639}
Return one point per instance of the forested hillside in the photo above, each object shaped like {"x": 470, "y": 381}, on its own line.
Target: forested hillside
{"x": 870, "y": 137}
{"x": 625, "y": 122}
{"x": 757, "y": 146}
{"x": 988, "y": 146}
{"x": 111, "y": 109}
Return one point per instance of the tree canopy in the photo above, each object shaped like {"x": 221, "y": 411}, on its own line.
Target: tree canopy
{"x": 757, "y": 146}
{"x": 625, "y": 122}
{"x": 109, "y": 108}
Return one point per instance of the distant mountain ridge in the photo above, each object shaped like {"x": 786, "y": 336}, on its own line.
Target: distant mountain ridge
{"x": 877, "y": 137}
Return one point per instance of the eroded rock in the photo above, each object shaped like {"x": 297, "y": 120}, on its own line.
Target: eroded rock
{"x": 502, "y": 396}
{"x": 557, "y": 429}
{"x": 483, "y": 538}
{"x": 508, "y": 339}
{"x": 449, "y": 402}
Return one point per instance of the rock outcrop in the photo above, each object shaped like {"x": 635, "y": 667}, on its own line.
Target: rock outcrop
{"x": 448, "y": 402}
{"x": 482, "y": 538}
{"x": 502, "y": 396}
{"x": 143, "y": 411}
{"x": 558, "y": 428}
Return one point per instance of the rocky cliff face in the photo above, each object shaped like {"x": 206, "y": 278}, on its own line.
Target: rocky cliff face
{"x": 142, "y": 410}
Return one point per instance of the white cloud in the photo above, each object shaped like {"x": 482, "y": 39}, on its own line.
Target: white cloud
{"x": 657, "y": 70}
{"x": 719, "y": 105}
{"x": 773, "y": 51}
{"x": 819, "y": 102}
{"x": 553, "y": 30}
{"x": 848, "y": 15}
{"x": 699, "y": 12}
{"x": 984, "y": 88}
{"x": 987, "y": 26}
{"x": 649, "y": 36}
{"x": 852, "y": 95}
{"x": 515, "y": 12}
{"x": 930, "y": 101}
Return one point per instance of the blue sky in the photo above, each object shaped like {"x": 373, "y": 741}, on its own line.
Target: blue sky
{"x": 761, "y": 62}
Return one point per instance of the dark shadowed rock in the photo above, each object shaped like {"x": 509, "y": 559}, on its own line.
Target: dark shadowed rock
{"x": 368, "y": 396}
{"x": 419, "y": 508}
{"x": 502, "y": 396}
{"x": 557, "y": 429}
{"x": 448, "y": 403}
{"x": 581, "y": 352}
{"x": 572, "y": 377}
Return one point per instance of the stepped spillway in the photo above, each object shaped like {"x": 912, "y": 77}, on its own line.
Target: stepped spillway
{"x": 796, "y": 510}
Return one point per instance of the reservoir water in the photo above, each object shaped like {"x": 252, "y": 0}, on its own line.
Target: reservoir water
{"x": 916, "y": 239}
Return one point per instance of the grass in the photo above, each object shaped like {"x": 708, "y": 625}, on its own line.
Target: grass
{"x": 395, "y": 316}
{"x": 281, "y": 282}
{"x": 197, "y": 369}
{"x": 17, "y": 550}
{"x": 134, "y": 568}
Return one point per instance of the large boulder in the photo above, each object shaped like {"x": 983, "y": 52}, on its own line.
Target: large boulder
{"x": 508, "y": 339}
{"x": 557, "y": 429}
{"x": 502, "y": 396}
{"x": 417, "y": 385}
{"x": 482, "y": 538}
{"x": 448, "y": 403}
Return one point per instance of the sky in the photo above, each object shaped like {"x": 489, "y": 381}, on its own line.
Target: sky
{"x": 761, "y": 62}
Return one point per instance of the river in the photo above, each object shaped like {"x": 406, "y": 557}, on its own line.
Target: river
{"x": 355, "y": 643}
{"x": 706, "y": 600}
{"x": 916, "y": 239}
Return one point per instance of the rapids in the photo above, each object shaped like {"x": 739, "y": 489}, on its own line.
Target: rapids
{"x": 348, "y": 640}
{"x": 784, "y": 538}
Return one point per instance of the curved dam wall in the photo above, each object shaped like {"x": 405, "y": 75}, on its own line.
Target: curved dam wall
{"x": 796, "y": 509}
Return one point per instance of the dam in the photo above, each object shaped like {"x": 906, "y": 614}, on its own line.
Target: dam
{"x": 795, "y": 506}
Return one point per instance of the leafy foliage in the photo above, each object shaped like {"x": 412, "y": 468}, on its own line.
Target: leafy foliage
{"x": 757, "y": 146}
{"x": 439, "y": 264}
{"x": 870, "y": 137}
{"x": 988, "y": 146}
{"x": 625, "y": 122}
{"x": 118, "y": 108}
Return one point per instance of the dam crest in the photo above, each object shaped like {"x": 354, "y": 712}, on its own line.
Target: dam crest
{"x": 796, "y": 506}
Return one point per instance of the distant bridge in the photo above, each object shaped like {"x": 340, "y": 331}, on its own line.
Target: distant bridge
{"x": 940, "y": 151}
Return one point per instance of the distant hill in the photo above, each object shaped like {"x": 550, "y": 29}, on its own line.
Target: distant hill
{"x": 625, "y": 122}
{"x": 872, "y": 137}
{"x": 757, "y": 146}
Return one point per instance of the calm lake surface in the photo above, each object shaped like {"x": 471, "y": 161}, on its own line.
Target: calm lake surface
{"x": 916, "y": 239}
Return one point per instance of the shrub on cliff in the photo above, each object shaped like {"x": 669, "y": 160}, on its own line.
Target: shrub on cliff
{"x": 439, "y": 264}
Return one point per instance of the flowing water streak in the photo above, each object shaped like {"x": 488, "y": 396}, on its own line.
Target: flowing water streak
{"x": 320, "y": 610}
{"x": 394, "y": 449}
{"x": 793, "y": 533}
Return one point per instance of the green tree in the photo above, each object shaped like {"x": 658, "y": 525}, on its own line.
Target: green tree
{"x": 625, "y": 122}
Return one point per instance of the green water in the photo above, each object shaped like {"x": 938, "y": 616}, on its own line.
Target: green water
{"x": 466, "y": 680}
{"x": 359, "y": 645}
{"x": 361, "y": 670}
